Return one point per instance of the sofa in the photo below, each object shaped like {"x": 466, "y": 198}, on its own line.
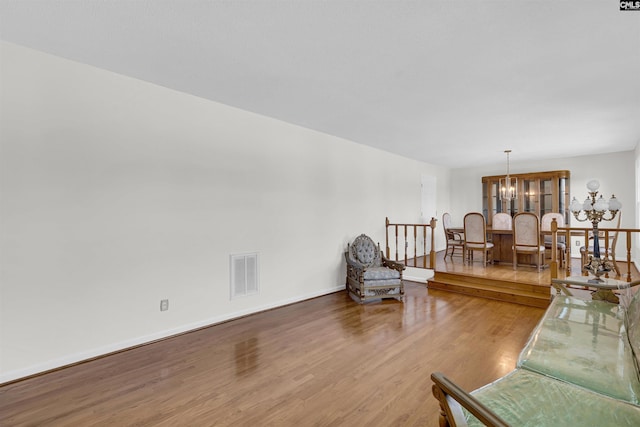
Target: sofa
{"x": 578, "y": 368}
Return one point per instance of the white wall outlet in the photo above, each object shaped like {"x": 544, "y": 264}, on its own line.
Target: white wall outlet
{"x": 164, "y": 305}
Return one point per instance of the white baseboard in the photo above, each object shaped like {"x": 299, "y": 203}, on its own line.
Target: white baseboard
{"x": 417, "y": 274}
{"x": 74, "y": 358}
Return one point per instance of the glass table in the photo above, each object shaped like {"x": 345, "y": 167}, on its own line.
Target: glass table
{"x": 604, "y": 286}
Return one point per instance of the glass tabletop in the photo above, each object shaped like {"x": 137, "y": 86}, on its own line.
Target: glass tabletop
{"x": 590, "y": 281}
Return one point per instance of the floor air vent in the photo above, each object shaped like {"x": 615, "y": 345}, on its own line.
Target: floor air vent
{"x": 244, "y": 274}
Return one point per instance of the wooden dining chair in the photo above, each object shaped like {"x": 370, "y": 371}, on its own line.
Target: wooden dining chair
{"x": 454, "y": 239}
{"x": 475, "y": 238}
{"x": 526, "y": 238}
{"x": 502, "y": 221}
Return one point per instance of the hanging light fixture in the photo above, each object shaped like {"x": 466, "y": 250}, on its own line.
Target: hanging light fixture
{"x": 508, "y": 184}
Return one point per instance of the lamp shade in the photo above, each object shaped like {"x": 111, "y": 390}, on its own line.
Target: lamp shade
{"x": 601, "y": 204}
{"x": 593, "y": 185}
{"x": 575, "y": 205}
{"x": 614, "y": 204}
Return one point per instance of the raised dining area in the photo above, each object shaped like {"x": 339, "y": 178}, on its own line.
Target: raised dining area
{"x": 499, "y": 280}
{"x": 524, "y": 238}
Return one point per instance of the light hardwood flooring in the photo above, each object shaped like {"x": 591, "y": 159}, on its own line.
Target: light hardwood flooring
{"x": 322, "y": 362}
{"x": 523, "y": 274}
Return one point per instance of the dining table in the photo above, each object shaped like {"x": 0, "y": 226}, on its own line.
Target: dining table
{"x": 502, "y": 240}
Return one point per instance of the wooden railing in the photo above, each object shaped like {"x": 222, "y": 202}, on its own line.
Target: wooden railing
{"x": 624, "y": 235}
{"x": 402, "y": 234}
{"x": 409, "y": 242}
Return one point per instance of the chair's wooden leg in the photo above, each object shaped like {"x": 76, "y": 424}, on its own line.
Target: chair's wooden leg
{"x": 615, "y": 266}
{"x": 539, "y": 261}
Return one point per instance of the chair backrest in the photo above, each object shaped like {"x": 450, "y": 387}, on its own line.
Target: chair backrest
{"x": 547, "y": 219}
{"x": 365, "y": 251}
{"x": 502, "y": 221}
{"x": 446, "y": 220}
{"x": 613, "y": 237}
{"x": 475, "y": 228}
{"x": 446, "y": 224}
{"x": 526, "y": 229}
{"x": 545, "y": 224}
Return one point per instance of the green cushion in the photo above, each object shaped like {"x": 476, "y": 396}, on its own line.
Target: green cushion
{"x": 584, "y": 343}
{"x": 524, "y": 398}
{"x": 633, "y": 325}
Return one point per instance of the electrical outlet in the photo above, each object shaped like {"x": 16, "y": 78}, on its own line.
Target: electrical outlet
{"x": 164, "y": 305}
{"x": 577, "y": 242}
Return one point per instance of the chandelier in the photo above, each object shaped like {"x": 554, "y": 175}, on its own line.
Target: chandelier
{"x": 508, "y": 184}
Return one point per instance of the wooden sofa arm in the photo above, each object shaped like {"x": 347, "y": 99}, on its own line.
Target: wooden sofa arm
{"x": 452, "y": 398}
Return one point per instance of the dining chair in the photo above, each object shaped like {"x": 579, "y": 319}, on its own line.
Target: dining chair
{"x": 526, "y": 238}
{"x": 609, "y": 248}
{"x": 475, "y": 237}
{"x": 502, "y": 221}
{"x": 561, "y": 244}
{"x": 454, "y": 239}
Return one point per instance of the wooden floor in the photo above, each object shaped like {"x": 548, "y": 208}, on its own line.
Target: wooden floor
{"x": 505, "y": 271}
{"x": 323, "y": 362}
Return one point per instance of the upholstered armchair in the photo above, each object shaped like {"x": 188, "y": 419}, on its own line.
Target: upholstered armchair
{"x": 370, "y": 275}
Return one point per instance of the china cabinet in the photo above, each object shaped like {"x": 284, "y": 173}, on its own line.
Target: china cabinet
{"x": 538, "y": 192}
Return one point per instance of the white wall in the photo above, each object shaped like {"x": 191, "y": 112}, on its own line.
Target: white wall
{"x": 615, "y": 171}
{"x": 117, "y": 193}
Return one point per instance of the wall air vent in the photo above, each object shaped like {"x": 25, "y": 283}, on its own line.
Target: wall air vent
{"x": 244, "y": 274}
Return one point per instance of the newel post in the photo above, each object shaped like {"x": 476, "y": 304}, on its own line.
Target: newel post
{"x": 432, "y": 252}
{"x": 386, "y": 236}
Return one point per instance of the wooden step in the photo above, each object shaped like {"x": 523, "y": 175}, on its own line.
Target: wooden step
{"x": 533, "y": 295}
{"x": 536, "y": 288}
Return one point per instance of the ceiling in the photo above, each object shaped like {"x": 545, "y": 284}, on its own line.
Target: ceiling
{"x": 453, "y": 83}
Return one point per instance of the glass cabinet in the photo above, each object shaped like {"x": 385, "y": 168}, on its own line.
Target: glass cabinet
{"x": 538, "y": 192}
